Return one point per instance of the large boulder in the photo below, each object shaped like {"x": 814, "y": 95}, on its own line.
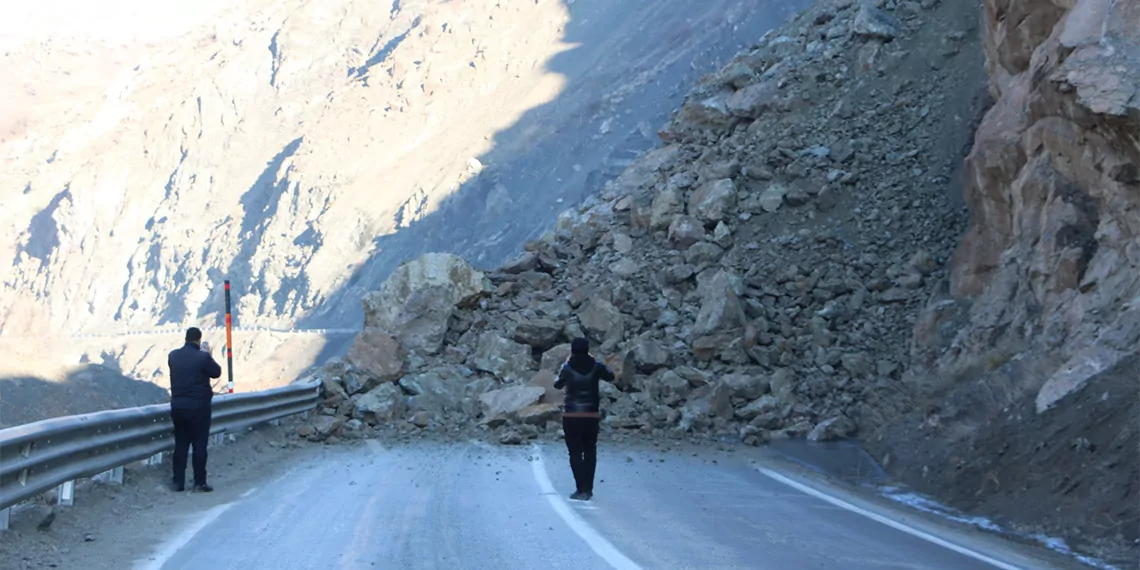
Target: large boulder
{"x": 685, "y": 231}
{"x": 601, "y": 320}
{"x": 439, "y": 390}
{"x": 782, "y": 383}
{"x": 506, "y": 402}
{"x": 646, "y": 170}
{"x": 721, "y": 309}
{"x": 538, "y": 261}
{"x": 538, "y": 414}
{"x": 545, "y": 379}
{"x": 705, "y": 405}
{"x": 746, "y": 386}
{"x": 538, "y": 332}
{"x": 508, "y": 360}
{"x": 766, "y": 404}
{"x": 713, "y": 201}
{"x": 417, "y": 300}
{"x": 553, "y": 358}
{"x": 667, "y": 205}
{"x": 669, "y": 388}
{"x": 333, "y": 390}
{"x": 378, "y": 354}
{"x": 324, "y": 427}
{"x": 649, "y": 354}
{"x": 754, "y": 100}
{"x": 707, "y": 108}
{"x": 382, "y": 404}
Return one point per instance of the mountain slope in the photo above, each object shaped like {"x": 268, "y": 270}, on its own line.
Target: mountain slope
{"x": 275, "y": 145}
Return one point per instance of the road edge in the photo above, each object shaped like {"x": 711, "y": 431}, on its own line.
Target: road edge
{"x": 985, "y": 546}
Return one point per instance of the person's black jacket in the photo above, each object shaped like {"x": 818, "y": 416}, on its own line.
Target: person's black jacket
{"x": 580, "y": 376}
{"x": 191, "y": 370}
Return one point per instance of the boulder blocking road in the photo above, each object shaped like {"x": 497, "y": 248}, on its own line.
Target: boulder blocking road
{"x": 473, "y": 505}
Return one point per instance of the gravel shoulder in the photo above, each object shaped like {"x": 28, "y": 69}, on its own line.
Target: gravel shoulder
{"x": 108, "y": 524}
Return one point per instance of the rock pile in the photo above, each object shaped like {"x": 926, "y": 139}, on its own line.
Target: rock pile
{"x": 753, "y": 279}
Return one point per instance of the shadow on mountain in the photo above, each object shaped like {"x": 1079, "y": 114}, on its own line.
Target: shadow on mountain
{"x": 561, "y": 152}
{"x": 89, "y": 388}
{"x": 259, "y": 206}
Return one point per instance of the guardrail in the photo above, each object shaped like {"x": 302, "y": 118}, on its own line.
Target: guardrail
{"x": 55, "y": 452}
{"x": 207, "y": 330}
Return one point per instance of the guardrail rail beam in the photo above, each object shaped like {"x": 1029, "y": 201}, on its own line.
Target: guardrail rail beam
{"x": 55, "y": 453}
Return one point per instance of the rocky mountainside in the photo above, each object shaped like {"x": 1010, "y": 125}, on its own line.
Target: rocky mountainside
{"x": 795, "y": 261}
{"x": 212, "y": 157}
{"x": 303, "y": 149}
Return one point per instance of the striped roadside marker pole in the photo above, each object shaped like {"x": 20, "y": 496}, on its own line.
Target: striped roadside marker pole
{"x": 229, "y": 341}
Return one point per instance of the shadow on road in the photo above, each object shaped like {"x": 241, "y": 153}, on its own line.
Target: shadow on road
{"x": 89, "y": 388}
{"x": 632, "y": 64}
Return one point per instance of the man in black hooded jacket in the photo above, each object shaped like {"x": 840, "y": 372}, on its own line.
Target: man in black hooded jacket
{"x": 191, "y": 398}
{"x": 581, "y": 420}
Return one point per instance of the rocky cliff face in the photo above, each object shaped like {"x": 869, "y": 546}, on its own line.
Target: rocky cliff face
{"x": 1027, "y": 366}
{"x": 1051, "y": 262}
{"x": 1031, "y": 353}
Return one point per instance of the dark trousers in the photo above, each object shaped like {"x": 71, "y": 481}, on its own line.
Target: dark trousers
{"x": 191, "y": 427}
{"x": 582, "y": 442}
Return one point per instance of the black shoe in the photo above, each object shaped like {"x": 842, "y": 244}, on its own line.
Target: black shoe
{"x": 178, "y": 487}
{"x": 203, "y": 488}
{"x": 580, "y": 496}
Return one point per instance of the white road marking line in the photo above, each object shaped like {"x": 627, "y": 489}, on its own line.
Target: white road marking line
{"x": 596, "y": 541}
{"x": 172, "y": 547}
{"x": 891, "y": 523}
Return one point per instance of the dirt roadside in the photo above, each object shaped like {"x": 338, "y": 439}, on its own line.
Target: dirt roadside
{"x": 110, "y": 525}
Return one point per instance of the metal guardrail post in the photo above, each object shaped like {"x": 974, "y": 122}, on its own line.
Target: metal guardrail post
{"x": 66, "y": 493}
{"x": 5, "y": 517}
{"x": 154, "y": 460}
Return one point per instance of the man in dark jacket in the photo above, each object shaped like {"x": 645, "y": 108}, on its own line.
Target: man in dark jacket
{"x": 191, "y": 394}
{"x": 579, "y": 376}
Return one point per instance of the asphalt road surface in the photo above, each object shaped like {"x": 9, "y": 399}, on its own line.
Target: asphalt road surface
{"x": 471, "y": 505}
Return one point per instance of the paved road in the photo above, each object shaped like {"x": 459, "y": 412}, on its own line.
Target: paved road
{"x": 476, "y": 506}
